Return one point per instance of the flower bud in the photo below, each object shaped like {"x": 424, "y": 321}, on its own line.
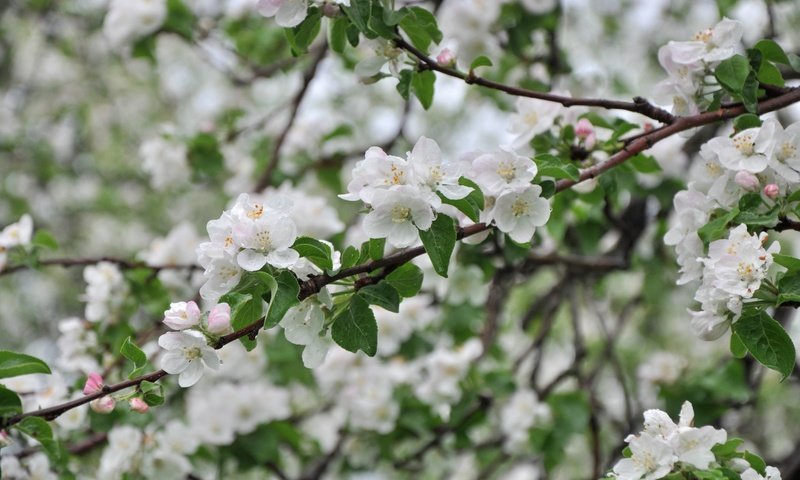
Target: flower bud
{"x": 771, "y": 190}
{"x": 446, "y": 57}
{"x": 138, "y": 405}
{"x": 746, "y": 180}
{"x": 585, "y": 131}
{"x": 5, "y": 439}
{"x": 103, "y": 404}
{"x": 93, "y": 384}
{"x": 219, "y": 319}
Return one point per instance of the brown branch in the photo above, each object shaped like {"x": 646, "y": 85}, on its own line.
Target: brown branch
{"x": 639, "y": 104}
{"x": 308, "y": 76}
{"x": 315, "y": 284}
{"x": 82, "y": 262}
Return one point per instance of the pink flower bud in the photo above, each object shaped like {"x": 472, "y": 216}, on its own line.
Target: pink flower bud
{"x": 771, "y": 190}
{"x": 103, "y": 404}
{"x": 446, "y": 57}
{"x": 746, "y": 180}
{"x": 138, "y": 405}
{"x": 219, "y": 319}
{"x": 583, "y": 128}
{"x": 5, "y": 439}
{"x": 93, "y": 384}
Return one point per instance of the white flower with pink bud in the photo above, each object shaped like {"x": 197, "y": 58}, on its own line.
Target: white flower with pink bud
{"x": 182, "y": 315}
{"x": 94, "y": 384}
{"x": 219, "y": 319}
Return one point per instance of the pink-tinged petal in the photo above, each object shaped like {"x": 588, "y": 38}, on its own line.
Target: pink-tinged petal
{"x": 219, "y": 319}
{"x": 191, "y": 375}
{"x": 138, "y": 405}
{"x": 93, "y": 384}
{"x": 251, "y": 260}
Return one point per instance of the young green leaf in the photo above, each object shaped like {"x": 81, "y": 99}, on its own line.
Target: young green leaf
{"x": 135, "y": 354}
{"x": 481, "y": 61}
{"x": 38, "y": 429}
{"x": 406, "y": 279}
{"x": 14, "y": 364}
{"x": 732, "y": 73}
{"x": 422, "y": 86}
{"x": 382, "y": 294}
{"x": 355, "y": 327}
{"x": 283, "y": 298}
{"x": 439, "y": 242}
{"x": 315, "y": 251}
{"x": 552, "y": 166}
{"x": 766, "y": 340}
{"x": 10, "y": 403}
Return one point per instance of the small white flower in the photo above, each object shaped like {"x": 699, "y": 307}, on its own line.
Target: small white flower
{"x": 651, "y": 458}
{"x": 377, "y": 172}
{"x": 303, "y": 323}
{"x": 772, "y": 473}
{"x": 432, "y": 173}
{"x": 748, "y": 150}
{"x": 267, "y": 239}
{"x": 187, "y": 353}
{"x": 16, "y": 234}
{"x": 711, "y": 45}
{"x": 519, "y": 213}
{"x": 501, "y": 171}
{"x": 396, "y": 216}
{"x": 532, "y": 118}
{"x": 128, "y": 21}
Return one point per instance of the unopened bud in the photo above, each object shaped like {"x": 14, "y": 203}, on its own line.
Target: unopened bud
{"x": 219, "y": 319}
{"x": 771, "y": 190}
{"x": 93, "y": 384}
{"x": 446, "y": 57}
{"x": 103, "y": 405}
{"x": 746, "y": 180}
{"x": 138, "y": 405}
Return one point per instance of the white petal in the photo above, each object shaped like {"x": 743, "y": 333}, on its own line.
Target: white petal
{"x": 191, "y": 375}
{"x": 251, "y": 260}
{"x": 283, "y": 258}
{"x": 174, "y": 362}
{"x": 291, "y": 13}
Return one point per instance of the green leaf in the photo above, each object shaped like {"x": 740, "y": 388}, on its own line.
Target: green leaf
{"x": 552, "y": 166}
{"x": 382, "y": 294}
{"x": 755, "y": 461}
{"x": 439, "y": 241}
{"x": 738, "y": 350}
{"x": 337, "y": 34}
{"x": 180, "y": 19}
{"x": 789, "y": 288}
{"x": 768, "y": 73}
{"x": 404, "y": 83}
{"x": 750, "y": 93}
{"x": 204, "y": 156}
{"x": 771, "y": 51}
{"x": 406, "y": 279}
{"x": 135, "y": 354}
{"x": 284, "y": 298}
{"x": 375, "y": 248}
{"x": 732, "y": 73}
{"x": 482, "y": 61}
{"x": 717, "y": 228}
{"x": 644, "y": 163}
{"x": 794, "y": 197}
{"x": 38, "y": 429}
{"x": 14, "y": 364}
{"x": 745, "y": 121}
{"x": 301, "y": 36}
{"x": 45, "y": 239}
{"x": 472, "y": 204}
{"x": 359, "y": 12}
{"x": 152, "y": 393}
{"x": 420, "y": 26}
{"x": 315, "y": 251}
{"x": 422, "y": 85}
{"x": 766, "y": 340}
{"x": 10, "y": 403}
{"x": 245, "y": 309}
{"x": 350, "y": 257}
{"x": 727, "y": 449}
{"x": 794, "y": 61}
{"x": 355, "y": 327}
{"x": 791, "y": 263}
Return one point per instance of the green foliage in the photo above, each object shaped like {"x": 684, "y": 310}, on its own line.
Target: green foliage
{"x": 355, "y": 328}
{"x": 766, "y": 340}
{"x": 301, "y": 36}
{"x": 315, "y": 251}
{"x": 420, "y": 26}
{"x": 152, "y": 393}
{"x": 439, "y": 242}
{"x": 10, "y": 403}
{"x": 472, "y": 204}
{"x": 205, "y": 157}
{"x": 135, "y": 354}
{"x": 180, "y": 19}
{"x": 284, "y": 297}
{"x": 14, "y": 364}
{"x": 745, "y": 121}
{"x": 38, "y": 429}
{"x": 422, "y": 85}
{"x": 552, "y": 166}
{"x": 406, "y": 279}
{"x": 382, "y": 294}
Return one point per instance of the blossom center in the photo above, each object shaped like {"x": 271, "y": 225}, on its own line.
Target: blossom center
{"x": 506, "y": 171}
{"x": 395, "y": 176}
{"x": 787, "y": 151}
{"x": 400, "y": 214}
{"x": 745, "y": 144}
{"x": 520, "y": 207}
{"x": 192, "y": 353}
{"x": 256, "y": 212}
{"x": 263, "y": 240}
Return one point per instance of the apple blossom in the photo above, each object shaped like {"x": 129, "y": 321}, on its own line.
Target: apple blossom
{"x": 219, "y": 319}
{"x": 187, "y": 355}
{"x": 94, "y": 384}
{"x": 397, "y": 215}
{"x": 103, "y": 404}
{"x": 182, "y": 315}
{"x": 138, "y": 405}
{"x": 519, "y": 213}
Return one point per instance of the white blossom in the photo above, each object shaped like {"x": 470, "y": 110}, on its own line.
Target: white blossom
{"x": 187, "y": 354}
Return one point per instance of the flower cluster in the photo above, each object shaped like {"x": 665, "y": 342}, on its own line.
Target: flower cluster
{"x": 663, "y": 444}
{"x": 105, "y": 292}
{"x": 15, "y": 235}
{"x": 761, "y": 161}
{"x": 406, "y": 194}
{"x": 689, "y": 65}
